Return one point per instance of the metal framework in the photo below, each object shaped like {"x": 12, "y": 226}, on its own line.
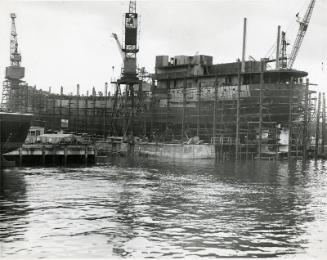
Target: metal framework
{"x": 303, "y": 27}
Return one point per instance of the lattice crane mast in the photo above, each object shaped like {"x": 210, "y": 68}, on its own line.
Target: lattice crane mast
{"x": 14, "y": 71}
{"x": 15, "y": 57}
{"x": 303, "y": 26}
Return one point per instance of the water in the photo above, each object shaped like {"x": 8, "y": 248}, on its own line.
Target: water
{"x": 153, "y": 209}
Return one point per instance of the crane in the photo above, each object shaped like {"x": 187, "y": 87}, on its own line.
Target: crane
{"x": 10, "y": 99}
{"x": 129, "y": 76}
{"x": 303, "y": 26}
{"x": 15, "y": 57}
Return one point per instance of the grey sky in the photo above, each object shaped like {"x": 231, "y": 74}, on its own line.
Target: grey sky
{"x": 65, "y": 43}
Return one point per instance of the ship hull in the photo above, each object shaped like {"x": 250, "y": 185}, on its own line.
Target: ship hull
{"x": 14, "y": 129}
{"x": 177, "y": 151}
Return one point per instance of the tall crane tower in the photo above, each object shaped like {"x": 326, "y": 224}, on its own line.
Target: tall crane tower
{"x": 129, "y": 76}
{"x": 130, "y": 47}
{"x": 14, "y": 73}
{"x": 303, "y": 26}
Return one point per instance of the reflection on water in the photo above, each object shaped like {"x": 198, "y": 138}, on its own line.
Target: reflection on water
{"x": 147, "y": 208}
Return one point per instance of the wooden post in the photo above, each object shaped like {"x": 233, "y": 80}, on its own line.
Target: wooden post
{"x": 260, "y": 107}
{"x": 290, "y": 108}
{"x": 43, "y": 155}
{"x": 237, "y": 137}
{"x": 85, "y": 155}
{"x": 317, "y": 126}
{"x": 305, "y": 120}
{"x": 323, "y": 129}
{"x": 54, "y": 154}
{"x": 95, "y": 154}
{"x": 20, "y": 157}
{"x": 65, "y": 155}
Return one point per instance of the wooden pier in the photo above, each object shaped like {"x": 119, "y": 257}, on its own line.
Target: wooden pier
{"x": 53, "y": 154}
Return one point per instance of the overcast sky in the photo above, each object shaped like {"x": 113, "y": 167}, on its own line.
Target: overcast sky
{"x": 64, "y": 43}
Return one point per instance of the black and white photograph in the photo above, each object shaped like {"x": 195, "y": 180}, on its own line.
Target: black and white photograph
{"x": 163, "y": 129}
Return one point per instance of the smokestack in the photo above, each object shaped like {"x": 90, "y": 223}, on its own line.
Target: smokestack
{"x": 278, "y": 48}
{"x": 50, "y": 90}
{"x": 61, "y": 90}
{"x": 244, "y": 45}
{"x": 77, "y": 90}
{"x": 106, "y": 89}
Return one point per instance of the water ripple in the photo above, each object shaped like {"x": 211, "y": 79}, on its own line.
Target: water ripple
{"x": 150, "y": 209}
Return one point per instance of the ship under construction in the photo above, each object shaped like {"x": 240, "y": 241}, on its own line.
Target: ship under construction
{"x": 246, "y": 108}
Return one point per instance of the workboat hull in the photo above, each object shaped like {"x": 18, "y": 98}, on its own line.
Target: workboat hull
{"x": 177, "y": 151}
{"x": 13, "y": 130}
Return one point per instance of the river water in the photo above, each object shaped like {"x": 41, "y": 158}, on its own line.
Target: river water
{"x": 148, "y": 208}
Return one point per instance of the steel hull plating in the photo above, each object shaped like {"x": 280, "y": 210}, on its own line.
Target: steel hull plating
{"x": 14, "y": 128}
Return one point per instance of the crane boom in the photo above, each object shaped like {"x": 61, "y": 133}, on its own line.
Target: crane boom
{"x": 119, "y": 46}
{"x": 303, "y": 26}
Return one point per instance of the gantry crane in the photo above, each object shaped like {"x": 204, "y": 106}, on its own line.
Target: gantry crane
{"x": 303, "y": 26}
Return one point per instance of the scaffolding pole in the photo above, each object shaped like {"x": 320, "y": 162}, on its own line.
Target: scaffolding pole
{"x": 260, "y": 107}
{"x": 305, "y": 120}
{"x": 323, "y": 128}
{"x": 290, "y": 118}
{"x": 199, "y": 110}
{"x": 214, "y": 111}
{"x": 184, "y": 104}
{"x": 237, "y": 137}
{"x": 317, "y": 126}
